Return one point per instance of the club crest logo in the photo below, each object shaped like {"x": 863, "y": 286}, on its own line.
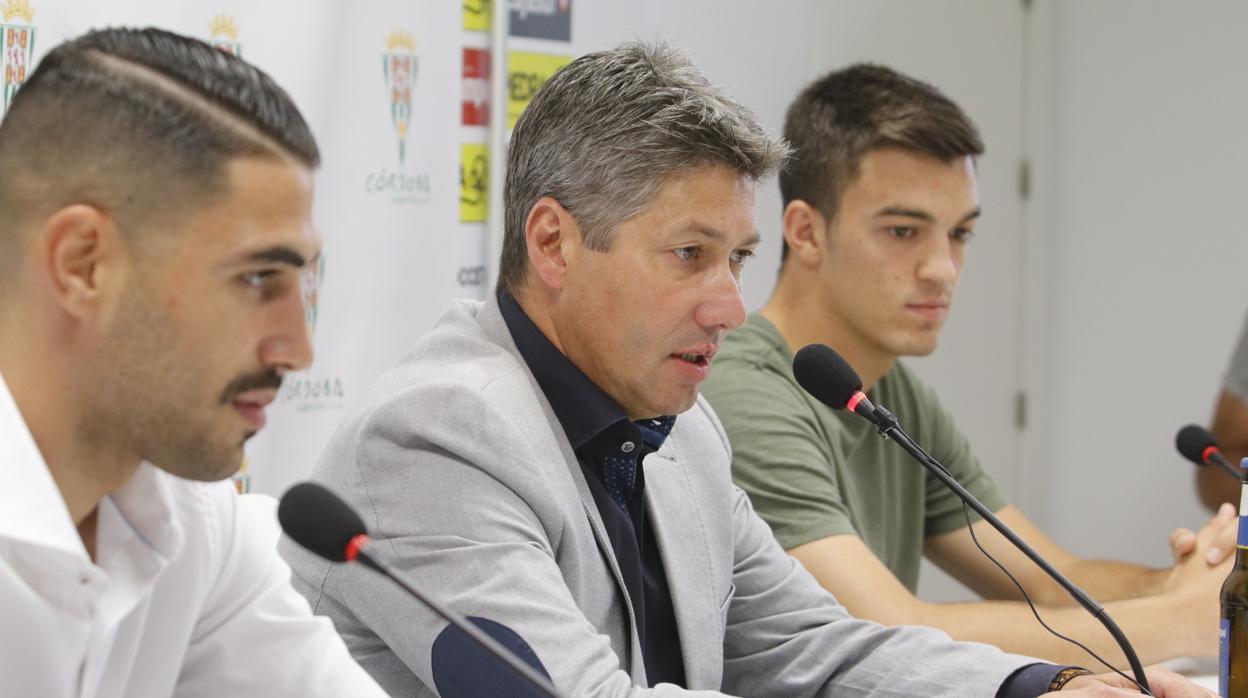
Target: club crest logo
{"x": 224, "y": 33}
{"x": 312, "y": 279}
{"x": 399, "y": 63}
{"x": 401, "y": 183}
{"x": 17, "y": 47}
{"x": 241, "y": 478}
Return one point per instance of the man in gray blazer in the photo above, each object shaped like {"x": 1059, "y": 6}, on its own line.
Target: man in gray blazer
{"x": 542, "y": 461}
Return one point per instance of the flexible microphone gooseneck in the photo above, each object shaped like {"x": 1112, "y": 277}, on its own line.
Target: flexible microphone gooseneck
{"x": 1201, "y": 447}
{"x": 830, "y": 379}
{"x": 321, "y": 522}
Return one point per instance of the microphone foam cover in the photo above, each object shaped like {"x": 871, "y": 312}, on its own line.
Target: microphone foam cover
{"x": 1192, "y": 440}
{"x": 319, "y": 520}
{"x": 826, "y": 375}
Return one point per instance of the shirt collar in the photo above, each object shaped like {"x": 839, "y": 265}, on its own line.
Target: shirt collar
{"x": 583, "y": 409}
{"x": 31, "y": 506}
{"x": 656, "y": 430}
{"x": 32, "y": 509}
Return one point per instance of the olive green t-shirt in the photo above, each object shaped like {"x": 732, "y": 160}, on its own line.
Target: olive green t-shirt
{"x": 814, "y": 472}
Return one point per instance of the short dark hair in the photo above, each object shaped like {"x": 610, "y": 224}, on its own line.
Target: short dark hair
{"x": 607, "y": 131}
{"x": 137, "y": 121}
{"x": 836, "y": 121}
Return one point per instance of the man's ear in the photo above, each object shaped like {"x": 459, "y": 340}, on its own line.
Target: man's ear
{"x": 551, "y": 235}
{"x": 805, "y": 232}
{"x": 82, "y": 257}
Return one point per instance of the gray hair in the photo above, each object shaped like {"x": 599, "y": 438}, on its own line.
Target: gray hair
{"x": 604, "y": 134}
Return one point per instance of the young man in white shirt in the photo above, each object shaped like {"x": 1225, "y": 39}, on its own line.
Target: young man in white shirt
{"x": 156, "y": 197}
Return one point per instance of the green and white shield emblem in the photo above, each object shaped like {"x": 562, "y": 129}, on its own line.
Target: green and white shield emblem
{"x": 17, "y": 46}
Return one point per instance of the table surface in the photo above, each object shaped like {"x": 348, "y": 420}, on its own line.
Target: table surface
{"x": 1203, "y": 671}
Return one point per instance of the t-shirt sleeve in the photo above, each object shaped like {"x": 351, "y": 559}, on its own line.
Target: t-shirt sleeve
{"x": 780, "y": 455}
{"x": 1236, "y": 381}
{"x": 949, "y": 446}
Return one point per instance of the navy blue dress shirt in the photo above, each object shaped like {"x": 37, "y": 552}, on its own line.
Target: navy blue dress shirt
{"x": 610, "y": 449}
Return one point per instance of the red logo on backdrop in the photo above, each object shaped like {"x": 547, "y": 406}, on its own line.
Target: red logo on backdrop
{"x": 476, "y": 100}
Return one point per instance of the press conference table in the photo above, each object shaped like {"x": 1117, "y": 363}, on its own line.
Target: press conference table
{"x": 1203, "y": 671}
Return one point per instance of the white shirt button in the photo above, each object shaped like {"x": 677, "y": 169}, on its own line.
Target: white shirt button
{"x": 628, "y": 447}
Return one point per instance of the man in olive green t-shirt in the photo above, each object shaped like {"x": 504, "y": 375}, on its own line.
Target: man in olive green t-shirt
{"x": 814, "y": 473}
{"x": 880, "y": 201}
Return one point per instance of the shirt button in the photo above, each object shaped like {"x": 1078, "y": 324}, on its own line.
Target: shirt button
{"x": 627, "y": 447}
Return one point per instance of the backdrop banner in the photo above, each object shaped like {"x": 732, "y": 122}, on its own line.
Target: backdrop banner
{"x": 397, "y": 93}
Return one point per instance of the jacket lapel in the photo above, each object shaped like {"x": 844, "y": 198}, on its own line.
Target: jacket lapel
{"x": 679, "y": 529}
{"x": 637, "y": 668}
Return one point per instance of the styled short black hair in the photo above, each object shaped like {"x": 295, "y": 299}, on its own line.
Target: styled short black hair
{"x": 137, "y": 121}
{"x": 837, "y": 120}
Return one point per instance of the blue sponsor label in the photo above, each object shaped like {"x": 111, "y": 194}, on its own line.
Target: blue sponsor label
{"x": 1243, "y": 531}
{"x": 1224, "y": 650}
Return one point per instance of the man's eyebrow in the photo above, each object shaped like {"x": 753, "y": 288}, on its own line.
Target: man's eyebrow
{"x": 922, "y": 215}
{"x": 279, "y": 254}
{"x": 971, "y": 216}
{"x": 905, "y": 213}
{"x": 717, "y": 235}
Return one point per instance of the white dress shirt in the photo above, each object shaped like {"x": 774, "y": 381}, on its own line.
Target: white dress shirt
{"x": 180, "y": 600}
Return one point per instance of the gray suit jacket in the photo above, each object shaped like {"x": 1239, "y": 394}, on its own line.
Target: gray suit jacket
{"x": 465, "y": 478}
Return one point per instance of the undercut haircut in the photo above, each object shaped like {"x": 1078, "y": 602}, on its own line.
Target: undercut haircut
{"x": 605, "y": 133}
{"x": 140, "y": 123}
{"x": 840, "y": 118}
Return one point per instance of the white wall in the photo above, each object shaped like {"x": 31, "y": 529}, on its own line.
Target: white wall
{"x": 1145, "y": 252}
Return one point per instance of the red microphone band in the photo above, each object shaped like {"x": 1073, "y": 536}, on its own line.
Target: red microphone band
{"x": 1206, "y": 454}
{"x": 857, "y": 397}
{"x": 354, "y": 545}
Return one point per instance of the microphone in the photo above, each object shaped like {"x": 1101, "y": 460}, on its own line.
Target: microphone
{"x": 1199, "y": 446}
{"x": 317, "y": 519}
{"x": 829, "y": 378}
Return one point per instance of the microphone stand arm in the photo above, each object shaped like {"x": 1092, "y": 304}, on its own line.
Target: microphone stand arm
{"x": 493, "y": 647}
{"x": 888, "y": 426}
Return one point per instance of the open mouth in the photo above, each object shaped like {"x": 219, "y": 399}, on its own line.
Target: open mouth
{"x": 695, "y": 359}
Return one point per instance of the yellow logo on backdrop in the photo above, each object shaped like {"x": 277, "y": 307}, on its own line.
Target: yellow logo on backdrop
{"x": 18, "y": 8}
{"x": 474, "y": 182}
{"x": 478, "y": 15}
{"x": 224, "y": 33}
{"x": 17, "y": 47}
{"x": 526, "y": 72}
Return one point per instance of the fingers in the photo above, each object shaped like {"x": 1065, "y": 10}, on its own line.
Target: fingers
{"x": 1226, "y": 527}
{"x": 1182, "y": 543}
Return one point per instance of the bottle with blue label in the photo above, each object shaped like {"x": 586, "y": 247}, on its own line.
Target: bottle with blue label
{"x": 1233, "y": 664}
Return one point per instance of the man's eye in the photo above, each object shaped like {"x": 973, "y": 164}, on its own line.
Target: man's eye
{"x": 258, "y": 279}
{"x": 901, "y": 232}
{"x": 740, "y": 257}
{"x": 962, "y": 234}
{"x": 687, "y": 254}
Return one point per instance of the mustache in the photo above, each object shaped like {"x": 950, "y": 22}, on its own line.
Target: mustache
{"x": 265, "y": 379}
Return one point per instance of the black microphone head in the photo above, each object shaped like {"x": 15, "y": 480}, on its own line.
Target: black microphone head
{"x": 319, "y": 520}
{"x": 1193, "y": 441}
{"x": 826, "y": 374}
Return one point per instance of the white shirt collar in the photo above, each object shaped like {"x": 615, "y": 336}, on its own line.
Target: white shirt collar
{"x": 32, "y": 509}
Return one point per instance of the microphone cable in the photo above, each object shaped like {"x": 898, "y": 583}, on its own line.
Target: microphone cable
{"x": 966, "y": 512}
